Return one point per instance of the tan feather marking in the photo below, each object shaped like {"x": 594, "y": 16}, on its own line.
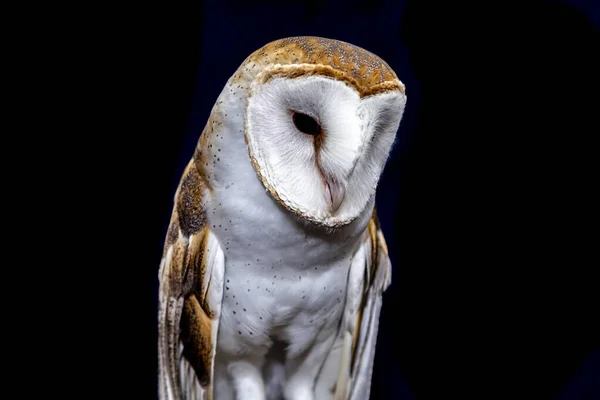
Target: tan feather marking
{"x": 189, "y": 201}
{"x": 203, "y": 267}
{"x": 172, "y": 232}
{"x": 194, "y": 274}
{"x": 363, "y": 69}
{"x": 374, "y": 243}
{"x": 301, "y": 70}
{"x": 381, "y": 242}
{"x": 356, "y": 333}
{"x": 202, "y": 167}
{"x": 373, "y": 230}
{"x": 215, "y": 120}
{"x": 196, "y": 335}
{"x": 176, "y": 266}
{"x": 341, "y": 387}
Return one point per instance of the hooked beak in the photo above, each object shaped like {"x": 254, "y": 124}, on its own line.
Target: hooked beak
{"x": 336, "y": 191}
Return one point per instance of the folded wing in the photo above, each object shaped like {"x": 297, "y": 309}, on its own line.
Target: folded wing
{"x": 190, "y": 294}
{"x": 347, "y": 371}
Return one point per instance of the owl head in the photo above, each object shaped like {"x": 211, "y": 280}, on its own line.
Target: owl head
{"x": 320, "y": 118}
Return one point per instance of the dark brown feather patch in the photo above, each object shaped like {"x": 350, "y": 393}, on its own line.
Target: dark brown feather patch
{"x": 196, "y": 333}
{"x": 189, "y": 201}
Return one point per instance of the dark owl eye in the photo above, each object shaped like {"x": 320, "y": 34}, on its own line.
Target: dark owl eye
{"x": 306, "y": 124}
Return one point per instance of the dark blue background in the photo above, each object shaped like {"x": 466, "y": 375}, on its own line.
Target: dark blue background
{"x": 488, "y": 202}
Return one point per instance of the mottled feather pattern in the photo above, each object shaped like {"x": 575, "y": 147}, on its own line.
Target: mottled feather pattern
{"x": 185, "y": 317}
{"x": 365, "y": 71}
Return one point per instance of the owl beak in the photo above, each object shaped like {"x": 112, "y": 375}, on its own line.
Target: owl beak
{"x": 336, "y": 191}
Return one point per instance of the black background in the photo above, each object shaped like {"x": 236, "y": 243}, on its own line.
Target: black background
{"x": 488, "y": 202}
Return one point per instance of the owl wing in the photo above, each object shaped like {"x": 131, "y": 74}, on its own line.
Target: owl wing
{"x": 347, "y": 371}
{"x": 190, "y": 294}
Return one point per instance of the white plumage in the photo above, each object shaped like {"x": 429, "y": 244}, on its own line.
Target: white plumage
{"x": 274, "y": 262}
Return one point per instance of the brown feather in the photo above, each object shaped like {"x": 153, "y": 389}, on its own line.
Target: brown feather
{"x": 196, "y": 335}
{"x": 184, "y": 311}
{"x": 296, "y": 56}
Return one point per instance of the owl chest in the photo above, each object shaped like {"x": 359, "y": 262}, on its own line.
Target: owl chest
{"x": 274, "y": 295}
{"x": 267, "y": 297}
{"x": 280, "y": 278}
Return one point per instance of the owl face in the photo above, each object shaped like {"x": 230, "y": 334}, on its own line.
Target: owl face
{"x": 319, "y": 145}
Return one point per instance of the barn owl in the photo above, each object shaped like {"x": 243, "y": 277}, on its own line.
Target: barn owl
{"x": 274, "y": 262}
